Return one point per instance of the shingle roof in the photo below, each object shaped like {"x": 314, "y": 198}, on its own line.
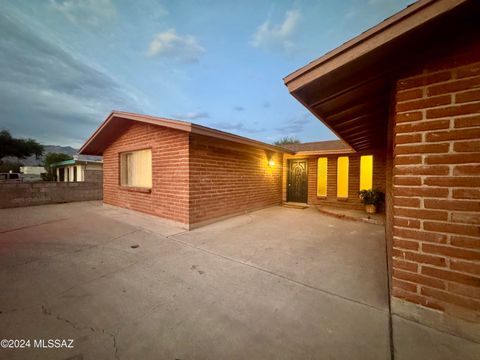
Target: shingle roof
{"x": 319, "y": 146}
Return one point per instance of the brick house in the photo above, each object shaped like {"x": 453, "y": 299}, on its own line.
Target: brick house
{"x": 195, "y": 175}
{"x": 182, "y": 171}
{"x": 403, "y": 95}
{"x": 334, "y": 173}
{"x": 410, "y": 85}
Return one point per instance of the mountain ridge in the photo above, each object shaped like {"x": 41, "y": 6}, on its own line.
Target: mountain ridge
{"x": 32, "y": 161}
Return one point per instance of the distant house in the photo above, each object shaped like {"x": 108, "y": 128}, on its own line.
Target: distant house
{"x": 79, "y": 169}
{"x": 32, "y": 173}
{"x": 32, "y": 170}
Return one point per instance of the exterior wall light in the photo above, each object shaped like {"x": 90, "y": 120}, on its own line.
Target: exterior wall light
{"x": 271, "y": 163}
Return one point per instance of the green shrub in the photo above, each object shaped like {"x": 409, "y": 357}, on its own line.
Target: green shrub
{"x": 372, "y": 196}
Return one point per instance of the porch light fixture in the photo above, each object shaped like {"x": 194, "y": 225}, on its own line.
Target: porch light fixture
{"x": 271, "y": 163}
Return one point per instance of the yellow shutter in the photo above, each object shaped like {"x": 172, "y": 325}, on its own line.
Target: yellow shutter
{"x": 366, "y": 172}
{"x": 136, "y": 168}
{"x": 142, "y": 168}
{"x": 322, "y": 177}
{"x": 342, "y": 177}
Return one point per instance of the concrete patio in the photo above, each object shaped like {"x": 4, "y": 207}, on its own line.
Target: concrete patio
{"x": 278, "y": 283}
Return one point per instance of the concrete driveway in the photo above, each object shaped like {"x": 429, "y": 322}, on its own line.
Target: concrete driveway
{"x": 278, "y": 283}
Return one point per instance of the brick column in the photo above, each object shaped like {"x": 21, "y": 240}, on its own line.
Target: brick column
{"x": 436, "y": 214}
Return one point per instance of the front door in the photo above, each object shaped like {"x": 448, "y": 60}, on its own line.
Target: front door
{"x": 297, "y": 183}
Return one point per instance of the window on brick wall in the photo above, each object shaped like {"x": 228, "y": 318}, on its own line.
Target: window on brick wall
{"x": 342, "y": 177}
{"x": 366, "y": 172}
{"x": 322, "y": 176}
{"x": 136, "y": 168}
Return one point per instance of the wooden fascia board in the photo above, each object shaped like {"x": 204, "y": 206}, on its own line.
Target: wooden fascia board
{"x": 388, "y": 30}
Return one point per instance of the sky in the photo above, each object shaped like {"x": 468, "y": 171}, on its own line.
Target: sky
{"x": 66, "y": 64}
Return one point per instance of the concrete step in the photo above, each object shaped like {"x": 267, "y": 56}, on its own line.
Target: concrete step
{"x": 295, "y": 205}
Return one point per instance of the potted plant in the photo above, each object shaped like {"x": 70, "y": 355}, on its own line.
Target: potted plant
{"x": 371, "y": 198}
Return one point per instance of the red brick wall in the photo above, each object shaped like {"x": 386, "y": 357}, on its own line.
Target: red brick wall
{"x": 228, "y": 178}
{"x": 194, "y": 178}
{"x": 169, "y": 194}
{"x": 353, "y": 200}
{"x": 436, "y": 214}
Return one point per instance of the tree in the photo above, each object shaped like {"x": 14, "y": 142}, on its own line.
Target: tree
{"x": 287, "y": 140}
{"x": 7, "y": 166}
{"x": 50, "y": 159}
{"x": 20, "y": 148}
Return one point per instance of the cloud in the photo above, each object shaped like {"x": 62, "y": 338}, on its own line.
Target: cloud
{"x": 86, "y": 12}
{"x": 192, "y": 116}
{"x": 49, "y": 94}
{"x": 270, "y": 37}
{"x": 240, "y": 127}
{"x": 182, "y": 48}
{"x": 238, "y": 108}
{"x": 294, "y": 126}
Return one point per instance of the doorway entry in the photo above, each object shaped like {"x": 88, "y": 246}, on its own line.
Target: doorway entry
{"x": 61, "y": 174}
{"x": 297, "y": 181}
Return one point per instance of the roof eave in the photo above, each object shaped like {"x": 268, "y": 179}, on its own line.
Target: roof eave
{"x": 178, "y": 125}
{"x": 62, "y": 163}
{"x": 89, "y": 140}
{"x": 351, "y": 89}
{"x": 326, "y": 152}
{"x": 411, "y": 17}
{"x": 203, "y": 130}
{"x": 75, "y": 162}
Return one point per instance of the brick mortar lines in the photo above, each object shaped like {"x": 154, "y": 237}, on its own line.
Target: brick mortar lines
{"x": 425, "y": 96}
{"x": 424, "y": 155}
{"x": 421, "y": 266}
{"x": 425, "y": 119}
{"x": 424, "y": 132}
{"x": 423, "y": 89}
{"x": 445, "y": 257}
{"x": 453, "y": 72}
{"x": 423, "y": 110}
{"x": 453, "y": 100}
{"x": 436, "y": 221}
{"x": 419, "y": 286}
{"x": 421, "y": 222}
